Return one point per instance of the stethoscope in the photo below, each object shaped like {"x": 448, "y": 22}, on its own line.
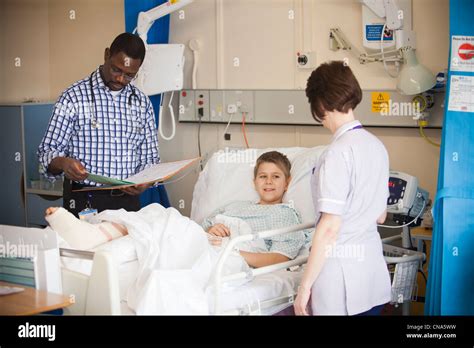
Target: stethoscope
{"x": 94, "y": 122}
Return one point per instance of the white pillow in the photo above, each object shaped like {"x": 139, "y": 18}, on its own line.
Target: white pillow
{"x": 228, "y": 178}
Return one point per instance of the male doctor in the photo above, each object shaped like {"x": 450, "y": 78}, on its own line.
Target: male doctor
{"x": 102, "y": 125}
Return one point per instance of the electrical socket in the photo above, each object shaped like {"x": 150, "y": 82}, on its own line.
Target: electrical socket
{"x": 306, "y": 60}
{"x": 231, "y": 109}
{"x": 244, "y": 108}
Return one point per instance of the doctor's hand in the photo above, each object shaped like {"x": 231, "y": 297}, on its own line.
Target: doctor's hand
{"x": 136, "y": 190}
{"x": 219, "y": 230}
{"x": 301, "y": 301}
{"x": 72, "y": 168}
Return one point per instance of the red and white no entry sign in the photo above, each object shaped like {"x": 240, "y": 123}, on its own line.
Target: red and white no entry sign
{"x": 466, "y": 51}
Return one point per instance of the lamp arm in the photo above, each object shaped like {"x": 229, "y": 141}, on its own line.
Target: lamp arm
{"x": 393, "y": 56}
{"x": 146, "y": 19}
{"x": 144, "y": 24}
{"x": 341, "y": 42}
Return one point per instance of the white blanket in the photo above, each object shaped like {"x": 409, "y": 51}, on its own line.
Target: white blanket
{"x": 175, "y": 261}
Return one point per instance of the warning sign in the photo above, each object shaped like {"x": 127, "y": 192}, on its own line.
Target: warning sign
{"x": 462, "y": 53}
{"x": 380, "y": 101}
{"x": 466, "y": 51}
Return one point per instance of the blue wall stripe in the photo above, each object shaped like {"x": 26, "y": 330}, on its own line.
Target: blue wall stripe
{"x": 451, "y": 270}
{"x": 158, "y": 33}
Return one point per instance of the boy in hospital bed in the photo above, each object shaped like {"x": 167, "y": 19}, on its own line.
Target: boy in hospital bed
{"x": 271, "y": 180}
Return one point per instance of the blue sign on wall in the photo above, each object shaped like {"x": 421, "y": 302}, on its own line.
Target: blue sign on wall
{"x": 373, "y": 32}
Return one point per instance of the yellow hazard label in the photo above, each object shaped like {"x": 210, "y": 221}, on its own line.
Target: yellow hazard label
{"x": 380, "y": 101}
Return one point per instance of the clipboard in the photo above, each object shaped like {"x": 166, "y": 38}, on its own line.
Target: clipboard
{"x": 156, "y": 173}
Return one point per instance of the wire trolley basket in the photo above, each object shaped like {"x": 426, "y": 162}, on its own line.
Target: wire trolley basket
{"x": 403, "y": 265}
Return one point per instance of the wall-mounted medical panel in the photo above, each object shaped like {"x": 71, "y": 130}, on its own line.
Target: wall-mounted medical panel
{"x": 379, "y": 108}
{"x": 218, "y": 111}
{"x": 187, "y": 107}
{"x": 201, "y": 100}
{"x": 194, "y": 104}
{"x": 226, "y": 104}
{"x": 282, "y": 107}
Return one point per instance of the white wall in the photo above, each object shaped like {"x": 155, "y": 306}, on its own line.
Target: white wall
{"x": 58, "y": 42}
{"x": 265, "y": 39}
{"x": 57, "y": 50}
{"x": 24, "y": 50}
{"x": 78, "y": 39}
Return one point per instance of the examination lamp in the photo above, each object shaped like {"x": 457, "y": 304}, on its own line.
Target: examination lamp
{"x": 146, "y": 19}
{"x": 162, "y": 69}
{"x": 413, "y": 78}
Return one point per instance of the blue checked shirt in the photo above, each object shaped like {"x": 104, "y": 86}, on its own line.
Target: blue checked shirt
{"x": 109, "y": 137}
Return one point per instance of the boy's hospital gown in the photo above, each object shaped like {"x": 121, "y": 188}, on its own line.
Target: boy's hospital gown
{"x": 259, "y": 218}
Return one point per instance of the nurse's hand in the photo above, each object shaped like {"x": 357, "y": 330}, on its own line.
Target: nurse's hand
{"x": 301, "y": 302}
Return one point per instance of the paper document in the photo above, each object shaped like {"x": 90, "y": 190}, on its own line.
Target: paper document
{"x": 6, "y": 290}
{"x": 156, "y": 173}
{"x": 105, "y": 180}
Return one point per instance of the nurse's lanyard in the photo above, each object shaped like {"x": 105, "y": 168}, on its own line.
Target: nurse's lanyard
{"x": 359, "y": 126}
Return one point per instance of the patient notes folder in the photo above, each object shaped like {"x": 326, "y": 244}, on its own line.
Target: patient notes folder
{"x": 156, "y": 173}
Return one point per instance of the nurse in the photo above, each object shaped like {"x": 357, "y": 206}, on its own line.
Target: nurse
{"x": 346, "y": 273}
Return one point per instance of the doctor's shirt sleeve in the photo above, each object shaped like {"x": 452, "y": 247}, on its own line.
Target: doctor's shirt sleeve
{"x": 56, "y": 140}
{"x": 333, "y": 183}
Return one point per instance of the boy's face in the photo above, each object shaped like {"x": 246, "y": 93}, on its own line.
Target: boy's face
{"x": 270, "y": 183}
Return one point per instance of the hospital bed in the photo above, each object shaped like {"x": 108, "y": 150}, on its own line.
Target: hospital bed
{"x": 272, "y": 297}
{"x": 274, "y": 287}
{"x": 266, "y": 290}
{"x": 98, "y": 280}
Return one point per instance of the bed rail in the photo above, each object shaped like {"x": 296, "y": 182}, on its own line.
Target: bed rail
{"x": 76, "y": 254}
{"x": 219, "y": 279}
{"x": 258, "y": 307}
{"x": 88, "y": 299}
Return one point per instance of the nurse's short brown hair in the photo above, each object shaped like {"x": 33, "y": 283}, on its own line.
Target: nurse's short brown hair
{"x": 332, "y": 87}
{"x": 277, "y": 158}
